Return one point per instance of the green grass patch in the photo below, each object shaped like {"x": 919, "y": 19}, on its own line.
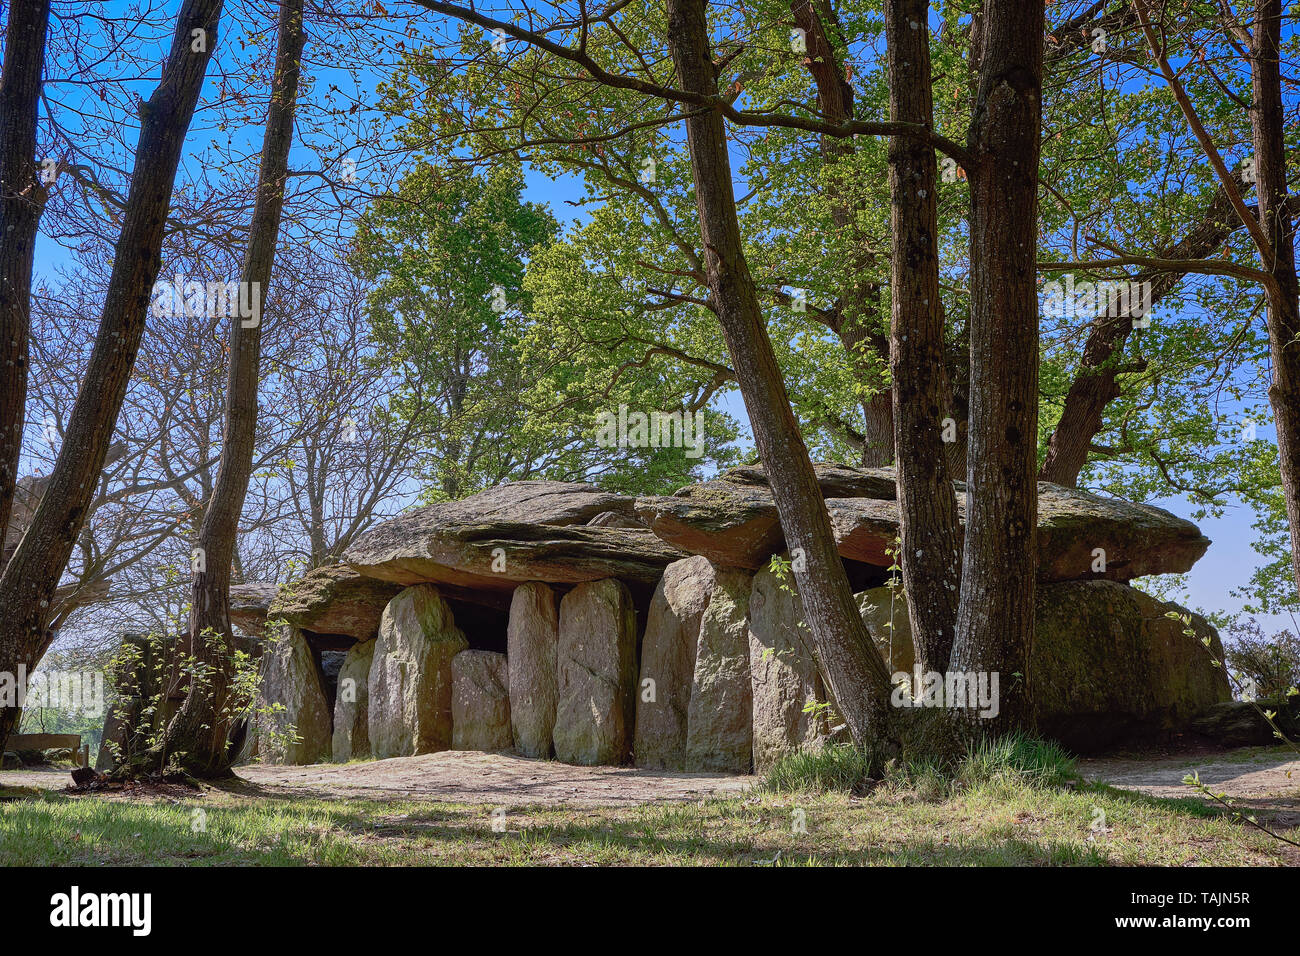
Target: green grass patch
{"x": 1003, "y": 807}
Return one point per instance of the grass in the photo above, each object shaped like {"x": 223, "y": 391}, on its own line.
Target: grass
{"x": 1014, "y": 804}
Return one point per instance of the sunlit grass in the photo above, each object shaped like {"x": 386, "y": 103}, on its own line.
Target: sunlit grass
{"x": 986, "y": 816}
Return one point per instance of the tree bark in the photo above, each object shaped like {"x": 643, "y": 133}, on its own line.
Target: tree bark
{"x": 995, "y": 624}
{"x": 857, "y": 320}
{"x": 22, "y": 199}
{"x": 29, "y": 581}
{"x": 931, "y": 538}
{"x": 1268, "y": 119}
{"x": 198, "y": 733}
{"x": 849, "y": 663}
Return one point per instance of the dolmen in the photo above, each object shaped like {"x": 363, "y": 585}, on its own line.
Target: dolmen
{"x": 559, "y": 620}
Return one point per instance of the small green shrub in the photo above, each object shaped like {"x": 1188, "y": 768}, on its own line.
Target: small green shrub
{"x": 835, "y": 767}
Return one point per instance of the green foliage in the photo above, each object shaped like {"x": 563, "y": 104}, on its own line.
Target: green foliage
{"x": 1271, "y": 663}
{"x": 1018, "y": 757}
{"x": 1015, "y": 760}
{"x": 835, "y": 767}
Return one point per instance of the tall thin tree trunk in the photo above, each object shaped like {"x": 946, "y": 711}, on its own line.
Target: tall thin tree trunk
{"x": 995, "y": 623}
{"x": 22, "y": 199}
{"x": 860, "y": 323}
{"x": 1268, "y": 124}
{"x": 198, "y": 733}
{"x": 28, "y": 582}
{"x": 849, "y": 663}
{"x": 931, "y": 536}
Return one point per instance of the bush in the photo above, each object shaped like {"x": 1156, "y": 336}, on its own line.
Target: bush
{"x": 1272, "y": 664}
{"x": 835, "y": 767}
{"x": 1015, "y": 759}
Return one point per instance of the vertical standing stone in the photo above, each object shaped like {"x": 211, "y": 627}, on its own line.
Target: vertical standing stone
{"x": 668, "y": 663}
{"x": 300, "y": 732}
{"x": 783, "y": 670}
{"x": 531, "y": 640}
{"x": 596, "y": 660}
{"x": 719, "y": 723}
{"x": 410, "y": 677}
{"x": 884, "y": 611}
{"x": 480, "y": 701}
{"x": 352, "y": 704}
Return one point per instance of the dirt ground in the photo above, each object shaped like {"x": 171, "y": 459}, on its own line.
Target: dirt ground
{"x": 1265, "y": 779}
{"x": 466, "y": 777}
{"x": 1256, "y": 777}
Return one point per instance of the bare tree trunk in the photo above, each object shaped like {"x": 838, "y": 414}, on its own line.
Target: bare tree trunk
{"x": 31, "y": 577}
{"x": 199, "y": 731}
{"x": 858, "y": 322}
{"x": 995, "y": 624}
{"x": 931, "y": 536}
{"x": 22, "y": 199}
{"x": 849, "y": 663}
{"x": 1268, "y": 119}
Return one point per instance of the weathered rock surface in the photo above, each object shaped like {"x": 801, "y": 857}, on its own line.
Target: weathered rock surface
{"x": 835, "y": 481}
{"x": 1138, "y": 539}
{"x": 719, "y": 728}
{"x": 480, "y": 701}
{"x": 301, "y": 732}
{"x": 733, "y": 525}
{"x": 615, "y": 519}
{"x": 249, "y": 604}
{"x": 782, "y": 671}
{"x": 352, "y": 704}
{"x": 668, "y": 659}
{"x": 884, "y": 611}
{"x": 410, "y": 677}
{"x": 1237, "y": 723}
{"x": 526, "y": 531}
{"x": 596, "y": 661}
{"x": 334, "y": 600}
{"x": 1107, "y": 664}
{"x": 531, "y": 640}
{"x": 733, "y": 521}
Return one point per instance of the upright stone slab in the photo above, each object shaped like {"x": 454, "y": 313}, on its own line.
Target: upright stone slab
{"x": 884, "y": 611}
{"x": 410, "y": 677}
{"x": 782, "y": 671}
{"x": 596, "y": 660}
{"x": 719, "y": 722}
{"x": 668, "y": 660}
{"x": 352, "y": 704}
{"x": 480, "y": 701}
{"x": 531, "y": 640}
{"x": 299, "y": 733}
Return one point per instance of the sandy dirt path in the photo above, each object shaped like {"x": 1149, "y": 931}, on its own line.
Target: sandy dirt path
{"x": 464, "y": 777}
{"x": 1254, "y": 777}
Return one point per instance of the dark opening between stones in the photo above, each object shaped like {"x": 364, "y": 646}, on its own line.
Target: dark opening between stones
{"x": 484, "y": 627}
{"x": 865, "y": 576}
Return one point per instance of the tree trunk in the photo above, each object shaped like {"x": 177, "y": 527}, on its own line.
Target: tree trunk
{"x": 849, "y": 663}
{"x": 22, "y": 199}
{"x": 198, "y": 733}
{"x": 995, "y": 624}
{"x": 927, "y": 504}
{"x": 1268, "y": 122}
{"x": 858, "y": 321}
{"x": 31, "y": 577}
